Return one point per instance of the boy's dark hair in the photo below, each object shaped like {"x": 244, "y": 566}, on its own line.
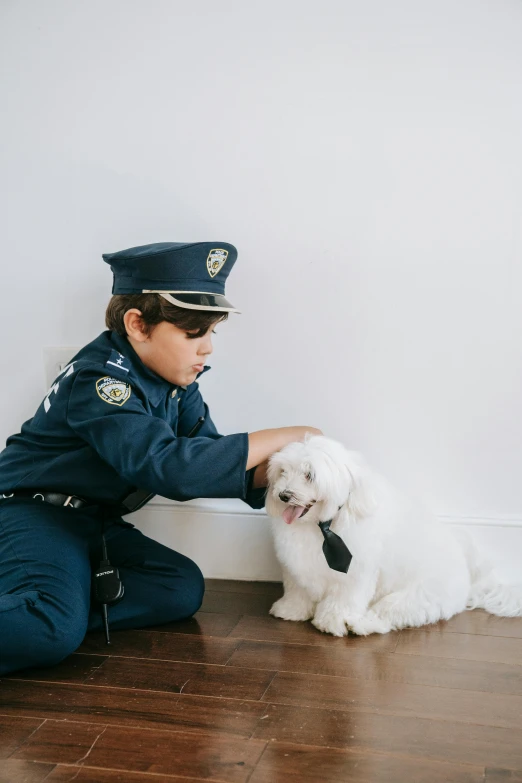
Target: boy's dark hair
{"x": 155, "y": 309}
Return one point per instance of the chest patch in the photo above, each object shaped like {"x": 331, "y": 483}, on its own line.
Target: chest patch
{"x": 113, "y": 391}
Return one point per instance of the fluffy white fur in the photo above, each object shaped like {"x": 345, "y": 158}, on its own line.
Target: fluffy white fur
{"x": 407, "y": 570}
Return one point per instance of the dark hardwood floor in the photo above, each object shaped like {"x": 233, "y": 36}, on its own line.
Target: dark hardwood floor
{"x": 235, "y": 695}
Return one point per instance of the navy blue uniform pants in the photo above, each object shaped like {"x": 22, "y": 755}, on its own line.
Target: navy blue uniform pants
{"x": 46, "y": 556}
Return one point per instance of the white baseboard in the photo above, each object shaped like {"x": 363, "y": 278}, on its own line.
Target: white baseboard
{"x": 228, "y": 540}
{"x": 500, "y": 539}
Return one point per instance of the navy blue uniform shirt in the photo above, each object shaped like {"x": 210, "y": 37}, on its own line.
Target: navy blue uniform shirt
{"x": 109, "y": 426}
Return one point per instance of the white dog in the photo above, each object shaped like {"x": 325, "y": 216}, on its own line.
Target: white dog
{"x": 407, "y": 568}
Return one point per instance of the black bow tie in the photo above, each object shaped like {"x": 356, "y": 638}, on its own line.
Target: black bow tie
{"x": 337, "y": 554}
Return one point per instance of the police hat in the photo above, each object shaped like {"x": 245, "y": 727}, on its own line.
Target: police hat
{"x": 188, "y": 274}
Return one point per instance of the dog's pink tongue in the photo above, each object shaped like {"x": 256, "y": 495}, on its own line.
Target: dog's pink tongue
{"x": 291, "y": 513}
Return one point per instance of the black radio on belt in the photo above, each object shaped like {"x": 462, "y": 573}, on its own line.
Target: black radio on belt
{"x": 107, "y": 586}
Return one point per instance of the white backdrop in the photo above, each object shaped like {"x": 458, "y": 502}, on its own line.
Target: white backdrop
{"x": 365, "y": 159}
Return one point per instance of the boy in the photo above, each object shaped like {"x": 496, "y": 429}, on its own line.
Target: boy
{"x": 124, "y": 420}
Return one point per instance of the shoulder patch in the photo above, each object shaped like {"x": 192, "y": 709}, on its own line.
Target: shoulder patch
{"x": 113, "y": 390}
{"x": 118, "y": 360}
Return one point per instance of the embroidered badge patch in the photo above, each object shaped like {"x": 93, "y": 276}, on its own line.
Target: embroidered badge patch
{"x": 216, "y": 259}
{"x": 113, "y": 391}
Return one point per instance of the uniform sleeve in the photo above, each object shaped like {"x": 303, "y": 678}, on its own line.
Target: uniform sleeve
{"x": 145, "y": 451}
{"x": 192, "y": 408}
{"x": 254, "y": 497}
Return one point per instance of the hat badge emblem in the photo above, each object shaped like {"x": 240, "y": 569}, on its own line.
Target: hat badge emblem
{"x": 215, "y": 261}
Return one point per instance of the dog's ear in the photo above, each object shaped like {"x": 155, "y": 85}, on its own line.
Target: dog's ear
{"x": 361, "y": 500}
{"x": 273, "y": 469}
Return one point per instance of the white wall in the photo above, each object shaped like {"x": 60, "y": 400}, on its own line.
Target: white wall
{"x": 365, "y": 158}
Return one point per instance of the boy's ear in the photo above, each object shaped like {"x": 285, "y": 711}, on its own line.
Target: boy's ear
{"x": 134, "y": 324}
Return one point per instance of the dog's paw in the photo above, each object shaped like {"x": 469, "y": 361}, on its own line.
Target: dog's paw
{"x": 366, "y": 624}
{"x": 330, "y": 622}
{"x": 291, "y": 608}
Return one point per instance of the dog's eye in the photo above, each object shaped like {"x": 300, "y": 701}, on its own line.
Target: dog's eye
{"x": 308, "y": 476}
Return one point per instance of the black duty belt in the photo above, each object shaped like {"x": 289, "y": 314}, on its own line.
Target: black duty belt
{"x": 55, "y": 498}
{"x": 132, "y": 502}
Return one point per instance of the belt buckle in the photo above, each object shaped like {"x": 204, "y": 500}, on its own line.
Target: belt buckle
{"x": 68, "y": 501}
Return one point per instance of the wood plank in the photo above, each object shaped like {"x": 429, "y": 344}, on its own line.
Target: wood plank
{"x": 14, "y": 730}
{"x": 334, "y": 661}
{"x": 221, "y": 716}
{"x": 384, "y": 667}
{"x": 285, "y": 631}
{"x": 191, "y": 755}
{"x": 472, "y": 647}
{"x": 17, "y": 771}
{"x": 503, "y": 776}
{"x": 75, "y": 668}
{"x": 237, "y": 603}
{"x": 268, "y": 629}
{"x": 480, "y": 622}
{"x": 121, "y": 707}
{"x": 83, "y": 774}
{"x": 161, "y": 646}
{"x": 68, "y": 742}
{"x": 195, "y": 678}
{"x": 240, "y": 586}
{"x": 202, "y": 624}
{"x": 434, "y": 740}
{"x": 387, "y": 698}
{"x": 306, "y": 764}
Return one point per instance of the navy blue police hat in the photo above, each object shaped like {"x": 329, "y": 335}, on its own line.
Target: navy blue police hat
{"x": 187, "y": 274}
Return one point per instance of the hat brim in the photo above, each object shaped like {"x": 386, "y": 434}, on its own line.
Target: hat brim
{"x": 192, "y": 300}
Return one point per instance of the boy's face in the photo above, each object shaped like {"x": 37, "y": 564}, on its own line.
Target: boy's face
{"x": 169, "y": 351}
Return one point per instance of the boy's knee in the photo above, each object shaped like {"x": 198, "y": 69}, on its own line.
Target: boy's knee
{"x": 185, "y": 595}
{"x": 35, "y": 633}
{"x": 191, "y": 595}
{"x": 55, "y": 648}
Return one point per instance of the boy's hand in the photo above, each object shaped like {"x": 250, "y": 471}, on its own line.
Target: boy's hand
{"x": 262, "y": 444}
{"x": 302, "y": 431}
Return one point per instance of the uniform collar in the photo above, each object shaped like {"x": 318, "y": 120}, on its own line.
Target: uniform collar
{"x": 155, "y": 387}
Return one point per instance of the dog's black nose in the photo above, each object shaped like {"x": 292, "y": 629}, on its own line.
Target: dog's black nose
{"x": 284, "y": 497}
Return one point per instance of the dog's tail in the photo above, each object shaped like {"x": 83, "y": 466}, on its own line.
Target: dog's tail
{"x": 487, "y": 591}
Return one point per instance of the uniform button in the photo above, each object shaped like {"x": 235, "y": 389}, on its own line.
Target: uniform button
{"x": 174, "y": 393}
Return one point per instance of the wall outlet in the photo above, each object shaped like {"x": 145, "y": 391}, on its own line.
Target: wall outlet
{"x": 55, "y": 359}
